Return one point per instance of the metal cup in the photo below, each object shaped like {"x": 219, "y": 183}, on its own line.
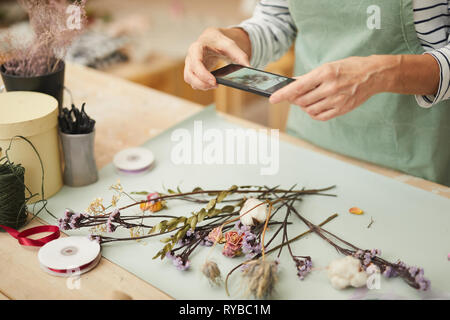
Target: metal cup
{"x": 80, "y": 168}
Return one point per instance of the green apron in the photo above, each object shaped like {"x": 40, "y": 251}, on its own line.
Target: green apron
{"x": 391, "y": 130}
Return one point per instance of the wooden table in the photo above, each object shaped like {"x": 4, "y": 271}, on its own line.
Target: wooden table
{"x": 127, "y": 115}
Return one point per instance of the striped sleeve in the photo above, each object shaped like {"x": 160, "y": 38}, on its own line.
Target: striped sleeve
{"x": 271, "y": 31}
{"x": 432, "y": 22}
{"x": 442, "y": 57}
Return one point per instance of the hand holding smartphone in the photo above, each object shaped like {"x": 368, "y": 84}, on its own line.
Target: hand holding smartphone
{"x": 251, "y": 80}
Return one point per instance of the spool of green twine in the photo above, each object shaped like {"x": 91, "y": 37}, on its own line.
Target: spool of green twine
{"x": 13, "y": 208}
{"x": 13, "y": 191}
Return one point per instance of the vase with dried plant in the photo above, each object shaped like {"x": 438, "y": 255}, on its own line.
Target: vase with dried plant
{"x": 38, "y": 65}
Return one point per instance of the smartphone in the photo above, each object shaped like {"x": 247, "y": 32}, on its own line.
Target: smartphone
{"x": 250, "y": 80}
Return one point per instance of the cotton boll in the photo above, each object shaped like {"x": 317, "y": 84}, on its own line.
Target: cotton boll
{"x": 339, "y": 283}
{"x": 359, "y": 280}
{"x": 343, "y": 267}
{"x": 346, "y": 272}
{"x": 258, "y": 214}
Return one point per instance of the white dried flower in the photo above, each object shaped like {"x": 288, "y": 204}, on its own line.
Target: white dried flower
{"x": 346, "y": 272}
{"x": 256, "y": 215}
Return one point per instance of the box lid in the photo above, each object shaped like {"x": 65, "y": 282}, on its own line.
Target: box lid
{"x": 26, "y": 113}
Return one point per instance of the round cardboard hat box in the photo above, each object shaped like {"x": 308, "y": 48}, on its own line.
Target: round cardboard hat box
{"x": 34, "y": 116}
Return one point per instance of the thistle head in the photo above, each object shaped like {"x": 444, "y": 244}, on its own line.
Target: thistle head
{"x": 260, "y": 278}
{"x": 211, "y": 271}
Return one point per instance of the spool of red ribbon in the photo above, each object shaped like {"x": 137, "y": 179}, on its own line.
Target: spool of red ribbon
{"x": 22, "y": 235}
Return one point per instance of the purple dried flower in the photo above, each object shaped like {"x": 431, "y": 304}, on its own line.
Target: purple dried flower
{"x": 170, "y": 255}
{"x": 72, "y": 225}
{"x": 110, "y": 227}
{"x": 375, "y": 252}
{"x": 241, "y": 228}
{"x": 181, "y": 263}
{"x": 366, "y": 256}
{"x": 188, "y": 238}
{"x": 70, "y": 220}
{"x": 424, "y": 285}
{"x": 358, "y": 254}
{"x": 413, "y": 275}
{"x": 388, "y": 272}
{"x": 62, "y": 224}
{"x": 115, "y": 216}
{"x": 303, "y": 265}
{"x": 412, "y": 271}
{"x": 250, "y": 246}
{"x": 205, "y": 242}
{"x": 68, "y": 213}
{"x": 75, "y": 220}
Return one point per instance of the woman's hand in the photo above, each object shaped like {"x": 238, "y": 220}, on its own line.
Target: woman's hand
{"x": 338, "y": 87}
{"x": 332, "y": 89}
{"x": 213, "y": 45}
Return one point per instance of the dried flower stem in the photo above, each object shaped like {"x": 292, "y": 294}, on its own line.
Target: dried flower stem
{"x": 181, "y": 195}
{"x": 411, "y": 275}
{"x": 265, "y": 229}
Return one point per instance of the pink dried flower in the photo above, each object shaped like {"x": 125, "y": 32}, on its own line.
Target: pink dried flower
{"x": 233, "y": 240}
{"x": 233, "y": 244}
{"x": 215, "y": 235}
{"x": 229, "y": 252}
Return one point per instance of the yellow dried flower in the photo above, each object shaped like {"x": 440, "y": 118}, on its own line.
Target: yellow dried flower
{"x": 152, "y": 204}
{"x": 117, "y": 187}
{"x": 136, "y": 232}
{"x": 96, "y": 206}
{"x": 114, "y": 200}
{"x": 356, "y": 210}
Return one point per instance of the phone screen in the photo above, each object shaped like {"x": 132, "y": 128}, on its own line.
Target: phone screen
{"x": 253, "y": 80}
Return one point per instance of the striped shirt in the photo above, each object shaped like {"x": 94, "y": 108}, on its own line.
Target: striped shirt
{"x": 272, "y": 31}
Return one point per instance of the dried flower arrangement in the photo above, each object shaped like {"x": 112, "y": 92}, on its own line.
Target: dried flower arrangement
{"x": 236, "y": 218}
{"x": 53, "y": 34}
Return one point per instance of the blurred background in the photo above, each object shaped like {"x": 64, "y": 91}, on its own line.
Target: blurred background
{"x": 145, "y": 41}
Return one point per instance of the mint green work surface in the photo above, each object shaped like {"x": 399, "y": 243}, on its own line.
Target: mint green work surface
{"x": 409, "y": 224}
